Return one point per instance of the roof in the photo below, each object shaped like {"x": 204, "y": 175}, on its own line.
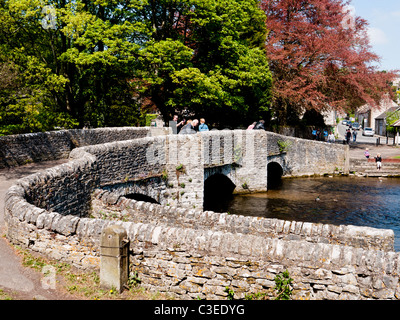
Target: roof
{"x": 384, "y": 115}
{"x": 385, "y": 104}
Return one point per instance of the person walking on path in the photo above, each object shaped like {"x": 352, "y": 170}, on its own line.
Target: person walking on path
{"x": 354, "y": 135}
{"x": 348, "y": 136}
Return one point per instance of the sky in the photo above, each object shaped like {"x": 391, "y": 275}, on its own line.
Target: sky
{"x": 384, "y": 29}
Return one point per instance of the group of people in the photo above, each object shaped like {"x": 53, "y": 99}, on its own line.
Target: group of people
{"x": 323, "y": 135}
{"x": 350, "y": 134}
{"x": 189, "y": 126}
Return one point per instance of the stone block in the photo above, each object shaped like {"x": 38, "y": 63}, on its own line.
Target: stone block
{"x": 114, "y": 261}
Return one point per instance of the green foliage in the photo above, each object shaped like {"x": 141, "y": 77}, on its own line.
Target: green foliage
{"x": 256, "y": 296}
{"x": 78, "y": 73}
{"x": 230, "y": 292}
{"x": 283, "y": 286}
{"x": 149, "y": 118}
{"x": 164, "y": 175}
{"x": 218, "y": 70}
{"x": 134, "y": 280}
{"x": 391, "y": 118}
{"x": 180, "y": 168}
{"x": 102, "y": 60}
{"x": 284, "y": 145}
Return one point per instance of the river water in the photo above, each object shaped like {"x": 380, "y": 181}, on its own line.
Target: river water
{"x": 339, "y": 200}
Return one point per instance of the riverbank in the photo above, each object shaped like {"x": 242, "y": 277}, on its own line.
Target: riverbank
{"x": 360, "y": 166}
{"x": 387, "y": 151}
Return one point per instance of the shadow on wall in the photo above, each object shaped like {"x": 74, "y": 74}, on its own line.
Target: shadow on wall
{"x": 274, "y": 176}
{"x": 218, "y": 190}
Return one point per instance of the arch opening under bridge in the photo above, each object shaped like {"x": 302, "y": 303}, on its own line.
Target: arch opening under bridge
{"x": 218, "y": 190}
{"x": 274, "y": 175}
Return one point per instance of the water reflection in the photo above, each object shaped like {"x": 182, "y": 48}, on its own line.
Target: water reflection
{"x": 340, "y": 200}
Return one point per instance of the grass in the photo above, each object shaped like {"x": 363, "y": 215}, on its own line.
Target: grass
{"x": 5, "y": 296}
{"x": 84, "y": 285}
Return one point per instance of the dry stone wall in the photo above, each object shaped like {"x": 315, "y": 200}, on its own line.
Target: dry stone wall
{"x": 111, "y": 205}
{"x": 301, "y": 157}
{"x": 20, "y": 149}
{"x": 190, "y": 253}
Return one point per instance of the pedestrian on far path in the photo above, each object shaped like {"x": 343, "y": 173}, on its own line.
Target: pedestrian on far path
{"x": 378, "y": 160}
{"x": 354, "y": 135}
{"x": 348, "y": 136}
{"x": 331, "y": 138}
{"x": 314, "y": 134}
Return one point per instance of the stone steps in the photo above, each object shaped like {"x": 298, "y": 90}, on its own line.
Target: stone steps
{"x": 368, "y": 168}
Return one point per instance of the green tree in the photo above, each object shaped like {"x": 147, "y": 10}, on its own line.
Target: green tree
{"x": 207, "y": 58}
{"x": 391, "y": 118}
{"x": 76, "y": 71}
{"x": 93, "y": 62}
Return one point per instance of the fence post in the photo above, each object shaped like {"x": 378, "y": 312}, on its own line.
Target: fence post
{"x": 114, "y": 259}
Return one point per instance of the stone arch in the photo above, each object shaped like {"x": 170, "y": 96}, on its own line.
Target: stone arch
{"x": 274, "y": 175}
{"x": 141, "y": 197}
{"x": 218, "y": 189}
{"x": 148, "y": 190}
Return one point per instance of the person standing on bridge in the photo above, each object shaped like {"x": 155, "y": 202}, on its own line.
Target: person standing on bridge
{"x": 189, "y": 128}
{"x": 331, "y": 137}
{"x": 203, "y": 126}
{"x": 259, "y": 125}
{"x": 178, "y": 124}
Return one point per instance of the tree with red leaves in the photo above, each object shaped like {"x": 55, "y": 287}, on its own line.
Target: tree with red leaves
{"x": 320, "y": 58}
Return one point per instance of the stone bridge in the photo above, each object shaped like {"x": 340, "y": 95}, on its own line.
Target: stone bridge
{"x": 176, "y": 246}
{"x": 214, "y": 163}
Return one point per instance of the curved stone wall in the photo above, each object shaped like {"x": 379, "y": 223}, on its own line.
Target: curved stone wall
{"x": 21, "y": 149}
{"x": 184, "y": 251}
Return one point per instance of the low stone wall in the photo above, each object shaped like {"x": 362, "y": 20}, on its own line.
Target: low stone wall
{"x": 307, "y": 157}
{"x": 21, "y": 149}
{"x": 200, "y": 263}
{"x": 112, "y": 205}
